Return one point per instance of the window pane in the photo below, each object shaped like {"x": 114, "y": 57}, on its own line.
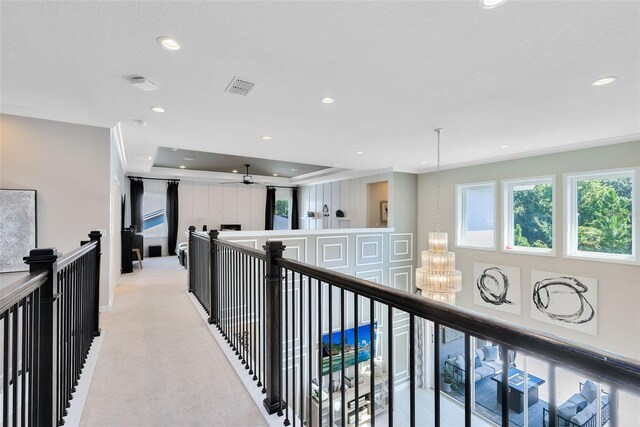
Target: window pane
{"x": 153, "y": 212}
{"x": 532, "y": 215}
{"x": 605, "y": 215}
{"x": 281, "y": 219}
{"x": 478, "y": 215}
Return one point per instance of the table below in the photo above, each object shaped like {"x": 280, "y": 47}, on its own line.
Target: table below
{"x": 517, "y": 389}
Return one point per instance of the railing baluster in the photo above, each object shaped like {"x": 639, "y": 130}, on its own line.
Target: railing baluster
{"x": 356, "y": 376}
{"x": 372, "y": 365}
{"x": 310, "y": 350}
{"x": 436, "y": 374}
{"x": 320, "y": 351}
{"x": 467, "y": 380}
{"x": 390, "y": 358}
{"x": 343, "y": 402}
{"x": 412, "y": 371}
{"x": 5, "y": 371}
{"x": 25, "y": 340}
{"x": 330, "y": 318}
{"x": 285, "y": 315}
{"x": 293, "y": 346}
{"x": 14, "y": 361}
{"x": 505, "y": 381}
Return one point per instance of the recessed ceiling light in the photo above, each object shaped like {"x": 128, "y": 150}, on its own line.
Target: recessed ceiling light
{"x": 174, "y": 149}
{"x": 266, "y": 138}
{"x": 424, "y": 163}
{"x": 235, "y": 171}
{"x": 504, "y": 146}
{"x": 490, "y": 4}
{"x": 275, "y": 174}
{"x": 188, "y": 158}
{"x": 359, "y": 152}
{"x": 168, "y": 43}
{"x": 327, "y": 100}
{"x": 157, "y": 109}
{"x": 604, "y": 81}
{"x": 182, "y": 167}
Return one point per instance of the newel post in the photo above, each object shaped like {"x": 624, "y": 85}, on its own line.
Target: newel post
{"x": 213, "y": 277}
{"x": 191, "y": 254}
{"x": 40, "y": 260}
{"x": 95, "y": 236}
{"x": 273, "y": 322}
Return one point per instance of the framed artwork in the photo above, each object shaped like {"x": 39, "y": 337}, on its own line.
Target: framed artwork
{"x": 565, "y": 300}
{"x": 497, "y": 287}
{"x": 384, "y": 211}
{"x": 18, "y": 232}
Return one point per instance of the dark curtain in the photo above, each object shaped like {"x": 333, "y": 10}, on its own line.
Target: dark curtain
{"x": 137, "y": 190}
{"x": 295, "y": 216}
{"x": 270, "y": 208}
{"x": 172, "y": 216}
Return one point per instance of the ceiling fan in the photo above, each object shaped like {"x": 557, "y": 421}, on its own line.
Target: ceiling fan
{"x": 246, "y": 178}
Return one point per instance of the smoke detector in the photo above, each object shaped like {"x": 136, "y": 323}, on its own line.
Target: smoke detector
{"x": 240, "y": 86}
{"x": 143, "y": 83}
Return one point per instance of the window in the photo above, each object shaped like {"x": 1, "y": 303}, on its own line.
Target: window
{"x": 599, "y": 215}
{"x": 529, "y": 211}
{"x": 281, "y": 220}
{"x": 476, "y": 215}
{"x": 153, "y": 214}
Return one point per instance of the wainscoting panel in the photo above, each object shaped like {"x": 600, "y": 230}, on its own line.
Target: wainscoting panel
{"x": 369, "y": 249}
{"x": 332, "y": 252}
{"x": 400, "y": 247}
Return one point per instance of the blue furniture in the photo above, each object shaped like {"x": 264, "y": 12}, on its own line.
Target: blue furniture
{"x": 580, "y": 410}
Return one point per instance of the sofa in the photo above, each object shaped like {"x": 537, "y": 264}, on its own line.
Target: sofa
{"x": 487, "y": 359}
{"x": 580, "y": 409}
{"x": 182, "y": 253}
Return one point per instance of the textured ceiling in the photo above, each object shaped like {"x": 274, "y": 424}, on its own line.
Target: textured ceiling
{"x": 517, "y": 75}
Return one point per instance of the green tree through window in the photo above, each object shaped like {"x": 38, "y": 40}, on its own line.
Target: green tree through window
{"x": 533, "y": 215}
{"x": 605, "y": 215}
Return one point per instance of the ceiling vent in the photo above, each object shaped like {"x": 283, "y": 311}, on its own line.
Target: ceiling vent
{"x": 143, "y": 83}
{"x": 239, "y": 86}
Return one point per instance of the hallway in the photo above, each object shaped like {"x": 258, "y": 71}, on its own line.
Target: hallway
{"x": 158, "y": 364}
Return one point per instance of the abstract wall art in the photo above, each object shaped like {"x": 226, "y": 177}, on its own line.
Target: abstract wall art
{"x": 17, "y": 228}
{"x": 497, "y": 287}
{"x": 565, "y": 300}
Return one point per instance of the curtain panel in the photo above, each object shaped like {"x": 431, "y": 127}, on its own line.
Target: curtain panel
{"x": 172, "y": 216}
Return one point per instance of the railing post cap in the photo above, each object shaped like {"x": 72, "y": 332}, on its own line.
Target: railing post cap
{"x": 42, "y": 255}
{"x": 192, "y": 228}
{"x": 213, "y": 233}
{"x": 273, "y": 246}
{"x": 95, "y": 235}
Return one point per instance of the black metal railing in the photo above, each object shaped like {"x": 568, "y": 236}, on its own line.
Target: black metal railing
{"x": 49, "y": 320}
{"x": 300, "y": 330}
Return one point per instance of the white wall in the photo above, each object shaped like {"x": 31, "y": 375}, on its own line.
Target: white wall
{"x": 349, "y": 195}
{"x": 619, "y": 285}
{"x": 69, "y": 166}
{"x": 212, "y": 204}
{"x": 117, "y": 189}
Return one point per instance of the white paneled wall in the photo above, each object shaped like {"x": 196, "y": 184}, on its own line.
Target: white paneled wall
{"x": 212, "y": 204}
{"x": 350, "y": 196}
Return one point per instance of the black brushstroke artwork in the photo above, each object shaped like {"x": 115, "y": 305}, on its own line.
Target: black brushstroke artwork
{"x": 493, "y": 278}
{"x": 544, "y": 290}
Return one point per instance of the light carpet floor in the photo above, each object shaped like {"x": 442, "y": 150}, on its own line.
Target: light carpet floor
{"x": 159, "y": 364}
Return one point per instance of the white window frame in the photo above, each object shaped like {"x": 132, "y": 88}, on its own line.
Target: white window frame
{"x": 460, "y": 218}
{"x": 571, "y": 214}
{"x": 507, "y": 215}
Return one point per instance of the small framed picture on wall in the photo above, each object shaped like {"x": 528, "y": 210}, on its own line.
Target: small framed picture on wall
{"x": 384, "y": 211}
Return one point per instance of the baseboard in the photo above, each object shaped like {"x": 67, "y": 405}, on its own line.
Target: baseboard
{"x": 74, "y": 413}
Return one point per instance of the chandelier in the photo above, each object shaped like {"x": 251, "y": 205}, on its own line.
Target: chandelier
{"x": 438, "y": 278}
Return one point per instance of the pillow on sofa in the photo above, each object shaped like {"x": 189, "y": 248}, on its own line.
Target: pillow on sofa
{"x": 567, "y": 410}
{"x": 460, "y": 361}
{"x": 490, "y": 352}
{"x": 583, "y": 416}
{"x": 589, "y": 391}
{"x": 478, "y": 362}
{"x": 480, "y": 354}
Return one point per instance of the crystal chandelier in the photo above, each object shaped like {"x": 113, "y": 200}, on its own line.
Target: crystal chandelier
{"x": 438, "y": 278}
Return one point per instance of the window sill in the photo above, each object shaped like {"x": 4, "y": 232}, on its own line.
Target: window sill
{"x": 598, "y": 257}
{"x": 476, "y": 248}
{"x": 532, "y": 251}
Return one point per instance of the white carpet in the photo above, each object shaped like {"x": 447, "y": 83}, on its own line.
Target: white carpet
{"x": 159, "y": 364}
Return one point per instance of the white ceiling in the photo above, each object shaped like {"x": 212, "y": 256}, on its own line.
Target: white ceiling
{"x": 517, "y": 75}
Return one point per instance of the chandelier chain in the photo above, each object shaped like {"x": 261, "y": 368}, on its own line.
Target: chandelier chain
{"x": 438, "y": 180}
